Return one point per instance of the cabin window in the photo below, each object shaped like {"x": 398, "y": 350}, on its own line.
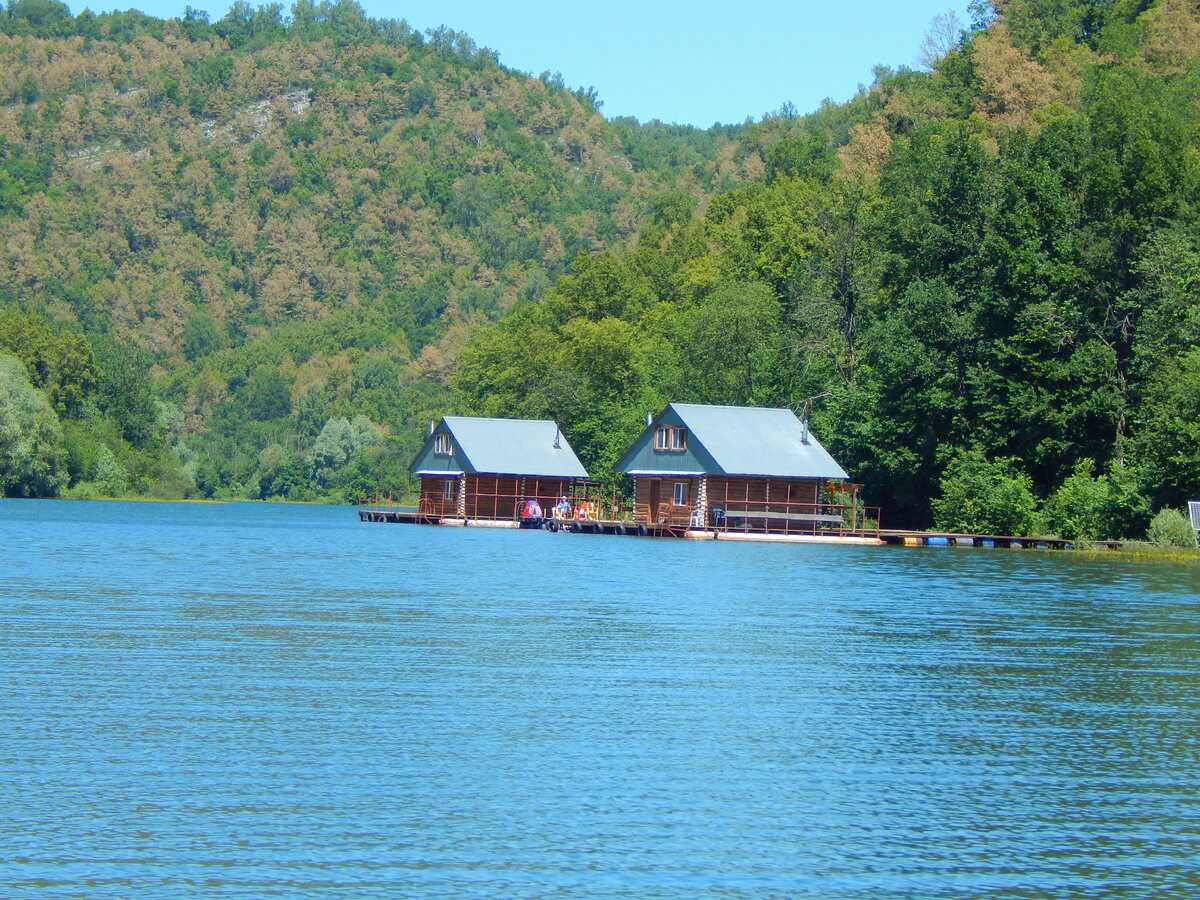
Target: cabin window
{"x": 448, "y": 489}
{"x": 442, "y": 445}
{"x": 670, "y": 437}
{"x": 681, "y": 493}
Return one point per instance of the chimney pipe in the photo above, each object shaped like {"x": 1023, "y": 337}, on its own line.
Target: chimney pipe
{"x": 557, "y": 442}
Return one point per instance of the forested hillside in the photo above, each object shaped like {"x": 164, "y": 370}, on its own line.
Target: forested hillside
{"x": 254, "y": 257}
{"x": 282, "y": 222}
{"x": 989, "y": 271}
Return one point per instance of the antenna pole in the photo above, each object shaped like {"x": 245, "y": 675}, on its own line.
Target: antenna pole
{"x": 806, "y": 410}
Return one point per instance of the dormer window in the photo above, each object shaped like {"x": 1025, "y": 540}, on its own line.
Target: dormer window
{"x": 442, "y": 445}
{"x": 671, "y": 438}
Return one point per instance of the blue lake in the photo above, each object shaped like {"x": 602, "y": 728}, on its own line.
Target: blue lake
{"x": 259, "y": 700}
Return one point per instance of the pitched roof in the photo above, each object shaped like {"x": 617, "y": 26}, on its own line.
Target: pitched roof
{"x": 745, "y": 440}
{"x": 514, "y": 446}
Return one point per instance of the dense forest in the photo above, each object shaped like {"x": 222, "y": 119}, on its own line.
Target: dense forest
{"x": 254, "y": 257}
{"x": 266, "y": 239}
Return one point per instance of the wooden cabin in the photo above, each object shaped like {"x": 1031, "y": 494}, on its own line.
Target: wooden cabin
{"x": 738, "y": 468}
{"x": 484, "y": 470}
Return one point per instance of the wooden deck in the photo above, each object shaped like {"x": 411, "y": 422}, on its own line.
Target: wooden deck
{"x": 407, "y": 515}
{"x": 677, "y": 527}
{"x": 904, "y": 538}
{"x": 400, "y": 514}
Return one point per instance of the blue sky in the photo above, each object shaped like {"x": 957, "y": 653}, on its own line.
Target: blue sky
{"x": 693, "y": 62}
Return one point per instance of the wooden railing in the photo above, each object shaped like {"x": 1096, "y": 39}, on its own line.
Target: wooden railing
{"x": 771, "y": 517}
{"x": 743, "y": 516}
{"x": 509, "y": 507}
{"x": 437, "y": 506}
{"x": 506, "y": 506}
{"x": 666, "y": 513}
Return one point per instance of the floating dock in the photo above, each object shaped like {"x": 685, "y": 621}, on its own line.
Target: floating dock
{"x": 903, "y": 538}
{"x": 894, "y": 537}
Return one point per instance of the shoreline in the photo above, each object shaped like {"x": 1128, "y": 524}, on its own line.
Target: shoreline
{"x": 188, "y": 500}
{"x": 1132, "y": 550}
{"x": 1141, "y": 551}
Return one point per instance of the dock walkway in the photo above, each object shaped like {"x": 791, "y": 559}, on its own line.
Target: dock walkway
{"x": 907, "y": 538}
{"x": 895, "y": 537}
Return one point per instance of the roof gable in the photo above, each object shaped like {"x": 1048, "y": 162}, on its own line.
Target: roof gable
{"x": 513, "y": 447}
{"x": 643, "y": 459}
{"x": 429, "y": 462}
{"x": 744, "y": 440}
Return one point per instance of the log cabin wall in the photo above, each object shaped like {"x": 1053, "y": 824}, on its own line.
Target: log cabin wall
{"x": 643, "y": 491}
{"x": 433, "y": 495}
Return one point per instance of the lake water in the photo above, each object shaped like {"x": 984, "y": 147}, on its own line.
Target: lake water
{"x": 258, "y": 700}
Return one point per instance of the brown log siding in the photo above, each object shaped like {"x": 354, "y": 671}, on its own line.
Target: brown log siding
{"x": 433, "y": 498}
{"x": 666, "y": 493}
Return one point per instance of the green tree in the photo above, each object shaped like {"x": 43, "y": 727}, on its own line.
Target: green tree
{"x": 111, "y": 477}
{"x": 282, "y": 473}
{"x": 1167, "y": 440}
{"x": 729, "y": 346}
{"x": 61, "y": 363}
{"x": 125, "y": 391}
{"x": 201, "y": 336}
{"x": 806, "y": 156}
{"x": 44, "y": 16}
{"x": 268, "y": 394}
{"x": 1126, "y": 508}
{"x": 982, "y": 496}
{"x": 1077, "y": 509}
{"x": 338, "y": 443}
{"x": 32, "y": 455}
{"x": 1171, "y": 528}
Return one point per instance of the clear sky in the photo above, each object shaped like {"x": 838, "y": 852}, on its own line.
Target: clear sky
{"x": 695, "y": 62}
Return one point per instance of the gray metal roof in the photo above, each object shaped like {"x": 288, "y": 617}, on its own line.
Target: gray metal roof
{"x": 514, "y": 447}
{"x": 745, "y": 440}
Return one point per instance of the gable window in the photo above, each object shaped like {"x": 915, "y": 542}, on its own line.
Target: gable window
{"x": 681, "y": 492}
{"x": 670, "y": 437}
{"x": 442, "y": 446}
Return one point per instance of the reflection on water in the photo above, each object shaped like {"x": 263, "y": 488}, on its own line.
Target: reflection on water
{"x": 249, "y": 699}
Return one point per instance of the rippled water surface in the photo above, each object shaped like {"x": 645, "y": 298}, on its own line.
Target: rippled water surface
{"x": 257, "y": 700}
